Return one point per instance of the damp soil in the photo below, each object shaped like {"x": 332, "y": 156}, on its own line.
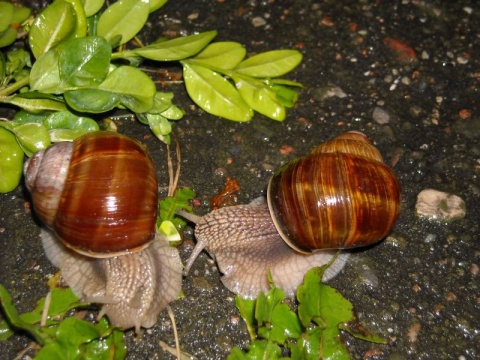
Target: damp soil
{"x": 407, "y": 74}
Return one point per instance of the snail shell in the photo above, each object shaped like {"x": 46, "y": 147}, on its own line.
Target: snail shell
{"x": 99, "y": 194}
{"x": 340, "y": 196}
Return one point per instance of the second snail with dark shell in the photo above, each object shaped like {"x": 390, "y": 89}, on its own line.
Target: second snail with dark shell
{"x": 98, "y": 196}
{"x": 340, "y": 196}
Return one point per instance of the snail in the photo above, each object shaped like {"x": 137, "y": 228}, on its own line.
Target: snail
{"x": 340, "y": 196}
{"x": 98, "y": 197}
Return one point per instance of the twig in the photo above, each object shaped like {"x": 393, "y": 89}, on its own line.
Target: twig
{"x": 173, "y": 175}
{"x": 175, "y": 333}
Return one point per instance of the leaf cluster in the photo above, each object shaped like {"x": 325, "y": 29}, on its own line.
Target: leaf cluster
{"x": 312, "y": 332}
{"x": 63, "y": 337}
{"x": 11, "y": 18}
{"x": 168, "y": 222}
{"x": 82, "y": 70}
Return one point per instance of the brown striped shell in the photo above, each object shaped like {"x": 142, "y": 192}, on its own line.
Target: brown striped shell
{"x": 340, "y": 196}
{"x": 99, "y": 194}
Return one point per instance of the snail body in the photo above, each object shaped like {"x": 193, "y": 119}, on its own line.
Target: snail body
{"x": 98, "y": 198}
{"x": 340, "y": 196}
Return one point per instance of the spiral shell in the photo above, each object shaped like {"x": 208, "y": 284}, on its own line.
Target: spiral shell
{"x": 340, "y": 196}
{"x": 99, "y": 194}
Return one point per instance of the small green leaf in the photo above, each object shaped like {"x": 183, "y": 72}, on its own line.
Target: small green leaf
{"x": 135, "y": 88}
{"x": 34, "y": 105}
{"x": 20, "y": 14}
{"x": 54, "y": 24}
{"x": 214, "y": 94}
{"x": 175, "y": 49}
{"x": 32, "y": 137}
{"x": 222, "y": 55}
{"x": 270, "y": 64}
{"x": 247, "y": 311}
{"x": 260, "y": 97}
{"x": 92, "y": 100}
{"x": 67, "y": 120}
{"x": 11, "y": 161}
{"x": 156, "y": 4}
{"x": 45, "y": 73}
{"x": 6, "y": 15}
{"x": 91, "y": 7}
{"x": 8, "y": 37}
{"x": 84, "y": 61}
{"x": 169, "y": 205}
{"x": 168, "y": 229}
{"x": 125, "y": 18}
{"x": 160, "y": 126}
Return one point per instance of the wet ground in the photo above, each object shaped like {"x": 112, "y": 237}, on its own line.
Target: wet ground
{"x": 407, "y": 74}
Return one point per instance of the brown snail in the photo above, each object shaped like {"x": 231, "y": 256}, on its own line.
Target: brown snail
{"x": 340, "y": 196}
{"x": 98, "y": 196}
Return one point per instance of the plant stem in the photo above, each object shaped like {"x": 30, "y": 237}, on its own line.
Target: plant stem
{"x": 15, "y": 86}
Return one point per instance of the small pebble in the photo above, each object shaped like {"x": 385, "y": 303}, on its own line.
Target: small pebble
{"x": 380, "y": 116}
{"x": 258, "y": 21}
{"x": 438, "y": 205}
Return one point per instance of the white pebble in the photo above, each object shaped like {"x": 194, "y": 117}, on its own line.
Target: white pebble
{"x": 380, "y": 116}
{"x": 438, "y": 205}
{"x": 258, "y": 21}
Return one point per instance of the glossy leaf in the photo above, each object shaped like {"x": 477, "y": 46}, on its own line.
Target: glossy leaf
{"x": 156, "y": 4}
{"x": 67, "y": 120}
{"x": 135, "y": 88}
{"x": 214, "y": 94}
{"x": 125, "y": 18}
{"x": 222, "y": 55}
{"x": 92, "y": 100}
{"x": 54, "y": 24}
{"x": 84, "y": 61}
{"x": 321, "y": 303}
{"x": 260, "y": 97}
{"x": 175, "y": 49}
{"x": 270, "y": 64}
{"x": 20, "y": 14}
{"x": 160, "y": 127}
{"x": 34, "y": 105}
{"x": 8, "y": 37}
{"x": 81, "y": 24}
{"x": 91, "y": 7}
{"x": 45, "y": 73}
{"x": 11, "y": 161}
{"x": 6, "y": 15}
{"x": 32, "y": 137}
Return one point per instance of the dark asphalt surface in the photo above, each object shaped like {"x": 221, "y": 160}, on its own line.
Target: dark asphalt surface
{"x": 407, "y": 73}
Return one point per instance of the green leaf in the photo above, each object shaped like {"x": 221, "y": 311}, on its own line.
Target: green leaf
{"x": 160, "y": 126}
{"x": 321, "y": 303}
{"x": 11, "y": 161}
{"x": 125, "y": 18}
{"x": 214, "y": 94}
{"x": 67, "y": 120}
{"x": 45, "y": 73}
{"x": 260, "y": 97}
{"x": 8, "y": 37}
{"x": 20, "y": 14}
{"x": 84, "y": 61}
{"x": 156, "y": 4}
{"x": 169, "y": 205}
{"x": 222, "y": 55}
{"x": 169, "y": 231}
{"x": 270, "y": 64}
{"x": 6, "y": 15}
{"x": 92, "y": 100}
{"x": 258, "y": 349}
{"x": 246, "y": 307}
{"x": 136, "y": 90}
{"x": 32, "y": 137}
{"x": 91, "y": 7}
{"x": 54, "y": 24}
{"x": 175, "y": 49}
{"x": 34, "y": 105}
